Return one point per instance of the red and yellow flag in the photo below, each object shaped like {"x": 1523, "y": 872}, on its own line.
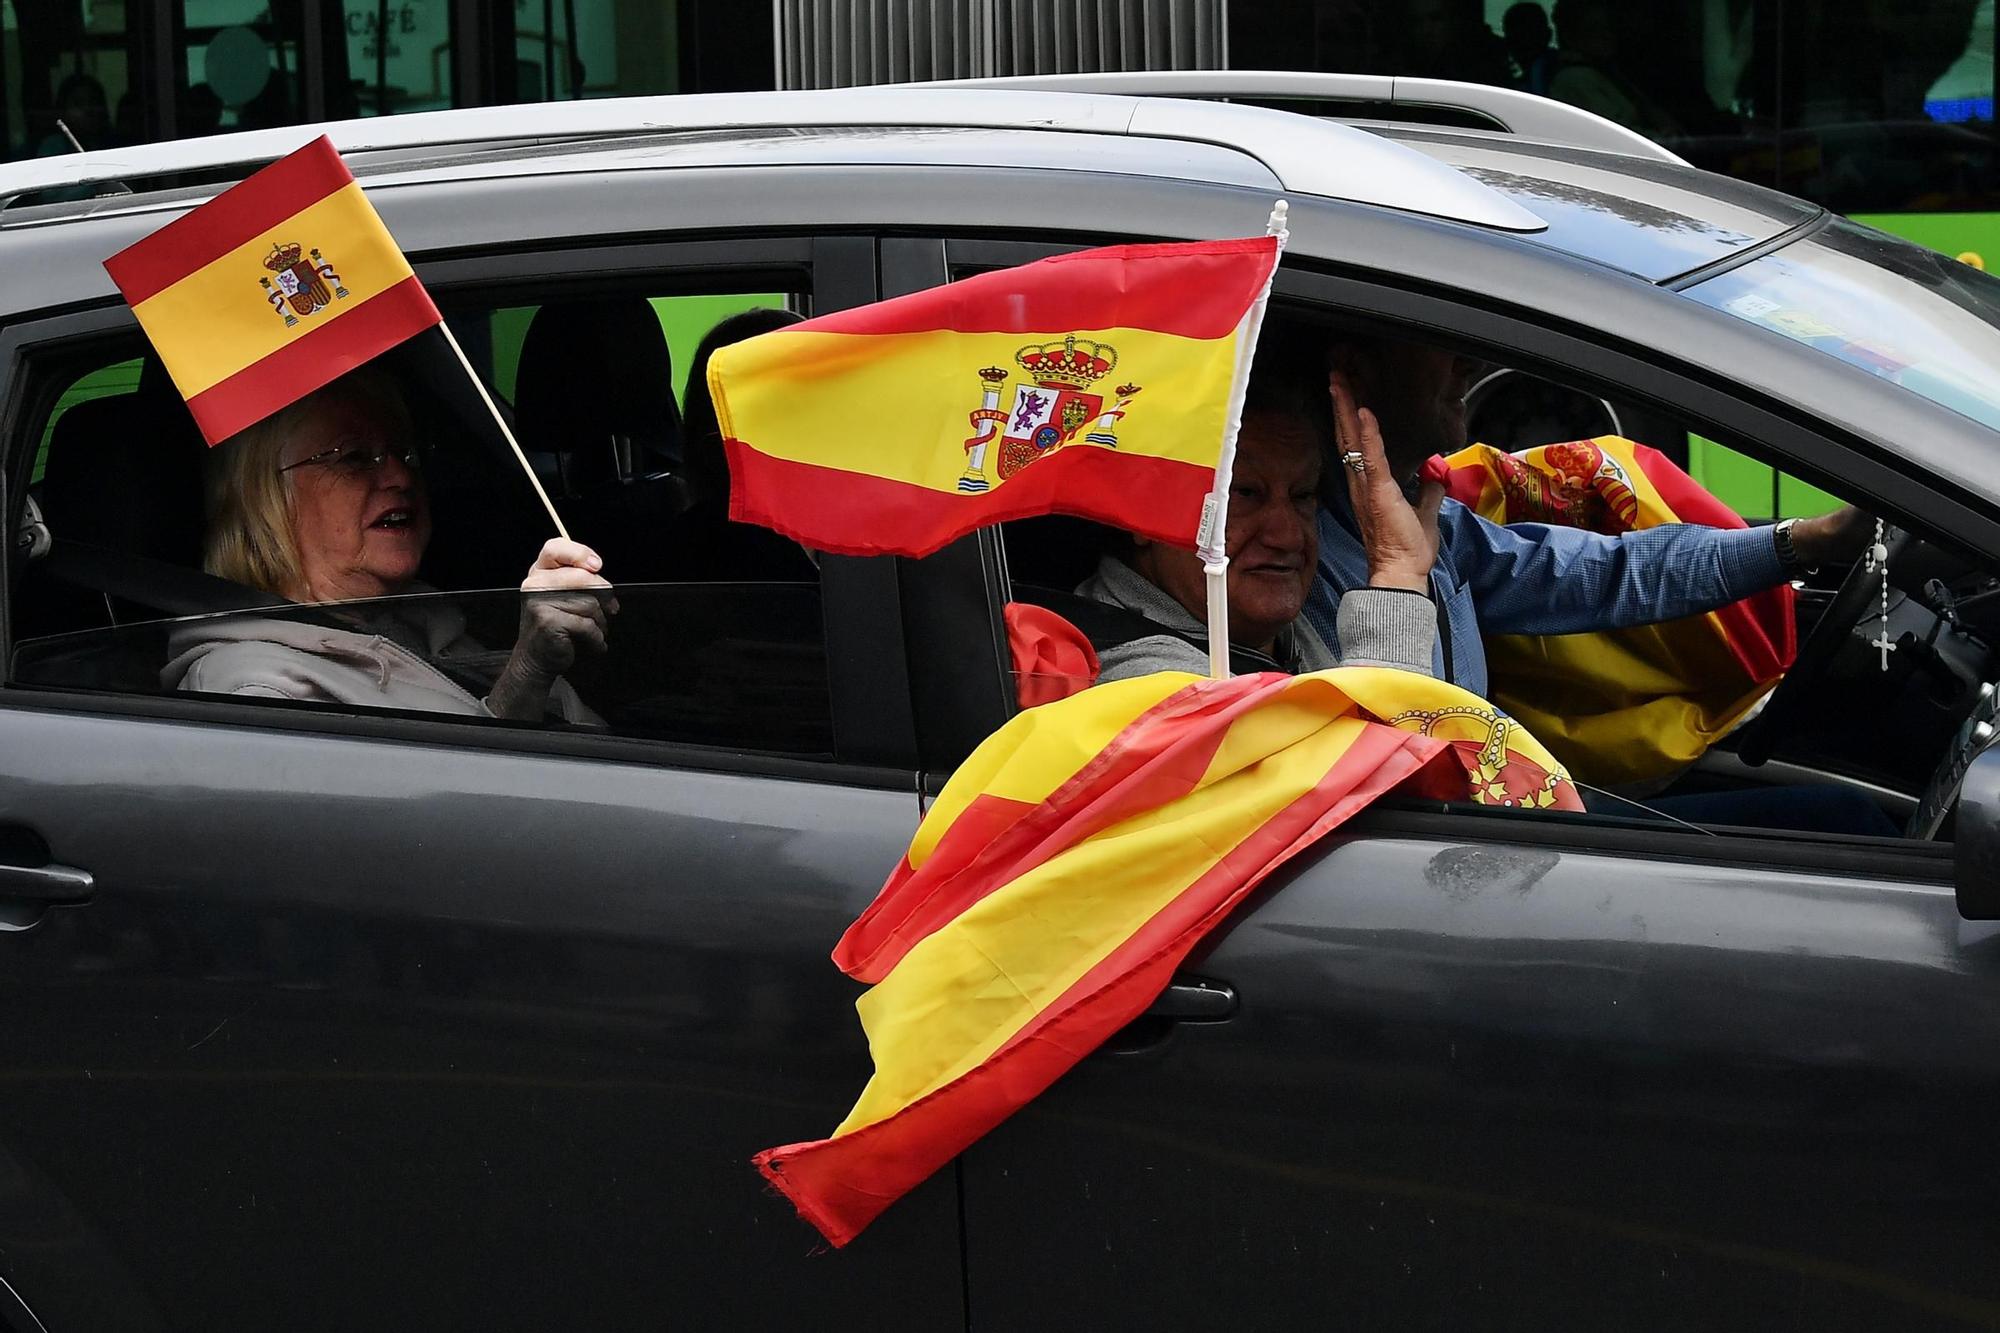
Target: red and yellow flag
{"x": 1632, "y": 704}
{"x": 1098, "y": 384}
{"x": 280, "y": 284}
{"x": 1073, "y": 861}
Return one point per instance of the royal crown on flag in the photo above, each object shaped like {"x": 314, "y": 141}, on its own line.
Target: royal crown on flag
{"x": 282, "y": 257}
{"x": 1077, "y": 362}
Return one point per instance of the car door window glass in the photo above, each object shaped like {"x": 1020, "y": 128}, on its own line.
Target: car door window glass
{"x": 1867, "y": 738}
{"x": 713, "y": 632}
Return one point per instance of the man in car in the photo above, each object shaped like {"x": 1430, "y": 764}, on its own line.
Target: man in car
{"x": 1272, "y": 546}
{"x": 1528, "y": 578}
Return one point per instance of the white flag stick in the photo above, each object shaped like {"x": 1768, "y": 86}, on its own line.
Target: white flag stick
{"x": 501, "y": 422}
{"x": 1211, "y": 540}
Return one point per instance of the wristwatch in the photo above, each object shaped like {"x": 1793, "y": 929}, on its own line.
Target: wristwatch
{"x": 1788, "y": 554}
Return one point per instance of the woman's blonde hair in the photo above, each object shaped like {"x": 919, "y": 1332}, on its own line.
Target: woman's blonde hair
{"x": 251, "y": 538}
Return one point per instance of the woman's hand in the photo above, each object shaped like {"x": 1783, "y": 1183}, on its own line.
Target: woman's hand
{"x": 1401, "y": 539}
{"x": 554, "y": 629}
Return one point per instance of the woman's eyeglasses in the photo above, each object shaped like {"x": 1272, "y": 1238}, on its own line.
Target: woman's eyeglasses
{"x": 357, "y": 460}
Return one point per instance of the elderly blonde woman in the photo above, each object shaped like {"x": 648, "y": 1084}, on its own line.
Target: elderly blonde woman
{"x": 324, "y": 503}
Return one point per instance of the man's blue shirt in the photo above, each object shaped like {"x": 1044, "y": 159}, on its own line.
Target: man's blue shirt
{"x": 1531, "y": 578}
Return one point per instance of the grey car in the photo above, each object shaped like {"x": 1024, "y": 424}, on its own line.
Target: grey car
{"x": 330, "y": 1017}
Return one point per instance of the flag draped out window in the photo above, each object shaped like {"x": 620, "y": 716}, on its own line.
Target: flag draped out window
{"x": 1099, "y": 384}
{"x": 1073, "y": 861}
{"x": 277, "y": 286}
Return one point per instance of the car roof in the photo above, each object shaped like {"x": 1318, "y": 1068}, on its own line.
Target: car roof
{"x": 1653, "y": 219}
{"x": 1305, "y": 155}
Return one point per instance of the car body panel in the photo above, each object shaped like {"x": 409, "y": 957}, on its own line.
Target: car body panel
{"x": 1514, "y": 1083}
{"x": 358, "y": 1032}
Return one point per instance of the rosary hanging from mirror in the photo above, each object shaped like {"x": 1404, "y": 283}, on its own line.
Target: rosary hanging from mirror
{"x": 1878, "y": 558}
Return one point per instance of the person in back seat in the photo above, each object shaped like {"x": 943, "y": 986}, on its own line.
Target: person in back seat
{"x": 322, "y": 502}
{"x": 1273, "y": 549}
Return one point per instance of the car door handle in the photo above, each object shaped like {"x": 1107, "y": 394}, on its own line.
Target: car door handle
{"x": 46, "y": 884}
{"x": 1194, "y": 1002}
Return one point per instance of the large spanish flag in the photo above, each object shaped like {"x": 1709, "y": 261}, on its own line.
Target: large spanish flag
{"x": 1073, "y": 861}
{"x": 280, "y": 284}
{"x": 1100, "y": 384}
{"x": 1628, "y": 705}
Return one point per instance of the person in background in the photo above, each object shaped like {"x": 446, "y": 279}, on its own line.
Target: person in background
{"x": 1449, "y": 39}
{"x": 82, "y": 106}
{"x": 1587, "y": 70}
{"x": 1525, "y": 29}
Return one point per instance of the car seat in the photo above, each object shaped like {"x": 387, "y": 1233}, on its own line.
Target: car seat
{"x": 594, "y": 408}
{"x": 121, "y": 497}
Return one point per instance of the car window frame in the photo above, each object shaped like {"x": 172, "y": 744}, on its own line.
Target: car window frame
{"x": 1571, "y": 356}
{"x": 874, "y": 728}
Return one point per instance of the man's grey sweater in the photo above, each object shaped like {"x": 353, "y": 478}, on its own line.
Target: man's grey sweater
{"x": 1378, "y": 626}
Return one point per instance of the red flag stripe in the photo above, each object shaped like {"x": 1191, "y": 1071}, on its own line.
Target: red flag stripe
{"x": 840, "y": 1185}
{"x": 897, "y": 517}
{"x": 316, "y": 359}
{"x": 1157, "y": 758}
{"x": 1212, "y": 285}
{"x": 239, "y": 214}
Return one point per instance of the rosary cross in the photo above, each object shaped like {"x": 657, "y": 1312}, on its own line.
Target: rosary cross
{"x": 1878, "y": 558}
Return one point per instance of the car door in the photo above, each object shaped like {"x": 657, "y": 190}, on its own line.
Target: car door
{"x": 1463, "y": 1069}
{"x": 320, "y": 1018}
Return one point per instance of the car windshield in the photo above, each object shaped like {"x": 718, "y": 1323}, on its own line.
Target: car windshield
{"x": 1897, "y": 310}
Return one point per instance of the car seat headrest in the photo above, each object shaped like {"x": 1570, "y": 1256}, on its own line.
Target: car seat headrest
{"x": 594, "y": 396}
{"x": 124, "y": 472}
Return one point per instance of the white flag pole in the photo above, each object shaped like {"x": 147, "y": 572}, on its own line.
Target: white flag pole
{"x": 1212, "y": 538}
{"x": 501, "y": 422}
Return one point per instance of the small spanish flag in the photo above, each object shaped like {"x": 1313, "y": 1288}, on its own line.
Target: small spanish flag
{"x": 1073, "y": 861}
{"x": 1099, "y": 384}
{"x": 280, "y": 284}
{"x": 1627, "y": 705}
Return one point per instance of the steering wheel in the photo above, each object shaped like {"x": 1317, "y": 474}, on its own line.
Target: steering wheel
{"x": 1857, "y": 593}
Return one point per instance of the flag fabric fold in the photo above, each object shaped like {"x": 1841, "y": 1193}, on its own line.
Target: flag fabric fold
{"x": 1098, "y": 384}
{"x": 1629, "y": 705}
{"x": 277, "y": 286}
{"x": 1073, "y": 861}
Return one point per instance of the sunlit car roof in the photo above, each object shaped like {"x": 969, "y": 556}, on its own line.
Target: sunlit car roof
{"x": 1655, "y": 220}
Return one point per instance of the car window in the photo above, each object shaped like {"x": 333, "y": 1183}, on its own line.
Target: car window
{"x": 713, "y": 633}
{"x": 1868, "y": 736}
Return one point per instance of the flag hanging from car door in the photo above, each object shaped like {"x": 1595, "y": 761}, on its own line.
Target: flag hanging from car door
{"x": 277, "y": 286}
{"x": 1074, "y": 859}
{"x": 1101, "y": 384}
{"x": 1627, "y": 705}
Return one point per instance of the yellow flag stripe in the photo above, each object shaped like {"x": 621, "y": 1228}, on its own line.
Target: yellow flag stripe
{"x": 899, "y": 405}
{"x": 1037, "y": 751}
{"x": 961, "y": 993}
{"x": 217, "y": 320}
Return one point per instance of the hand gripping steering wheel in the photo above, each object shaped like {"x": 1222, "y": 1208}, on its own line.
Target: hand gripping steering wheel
{"x": 1760, "y": 736}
